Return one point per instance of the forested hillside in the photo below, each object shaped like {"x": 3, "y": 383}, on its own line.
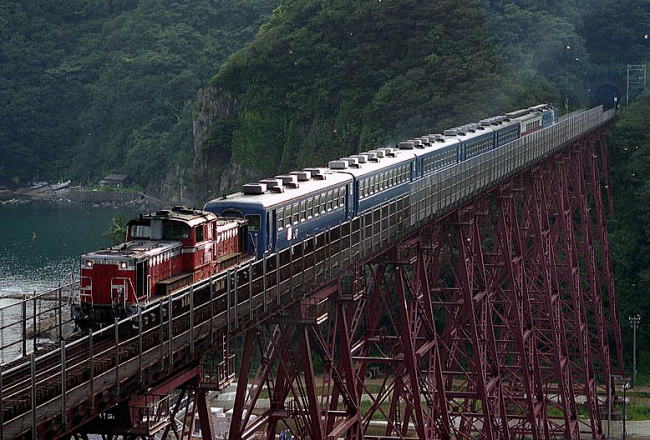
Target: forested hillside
{"x": 324, "y": 79}
{"x": 89, "y": 87}
{"x": 630, "y": 228}
{"x": 327, "y": 78}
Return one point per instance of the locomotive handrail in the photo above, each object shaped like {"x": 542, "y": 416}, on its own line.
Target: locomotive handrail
{"x": 263, "y": 287}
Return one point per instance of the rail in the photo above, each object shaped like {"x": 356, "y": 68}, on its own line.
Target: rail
{"x": 190, "y": 321}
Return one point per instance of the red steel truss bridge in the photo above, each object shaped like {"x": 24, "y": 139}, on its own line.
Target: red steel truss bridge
{"x": 481, "y": 305}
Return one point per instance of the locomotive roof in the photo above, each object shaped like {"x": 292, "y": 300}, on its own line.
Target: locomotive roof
{"x": 135, "y": 249}
{"x": 191, "y": 217}
{"x": 269, "y": 199}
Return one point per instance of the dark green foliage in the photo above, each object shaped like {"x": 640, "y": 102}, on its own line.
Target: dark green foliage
{"x": 90, "y": 87}
{"x": 630, "y": 228}
{"x": 326, "y": 78}
{"x": 544, "y": 48}
{"x": 117, "y": 231}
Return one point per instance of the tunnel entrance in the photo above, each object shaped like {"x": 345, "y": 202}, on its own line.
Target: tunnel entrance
{"x": 608, "y": 95}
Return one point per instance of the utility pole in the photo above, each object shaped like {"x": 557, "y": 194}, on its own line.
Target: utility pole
{"x": 566, "y": 79}
{"x": 625, "y": 388}
{"x": 634, "y": 323}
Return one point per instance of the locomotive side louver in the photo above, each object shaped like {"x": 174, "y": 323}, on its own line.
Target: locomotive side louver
{"x": 254, "y": 188}
{"x": 273, "y": 185}
{"x": 288, "y": 180}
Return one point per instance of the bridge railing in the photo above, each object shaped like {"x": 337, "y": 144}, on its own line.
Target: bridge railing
{"x": 30, "y": 321}
{"x": 230, "y": 302}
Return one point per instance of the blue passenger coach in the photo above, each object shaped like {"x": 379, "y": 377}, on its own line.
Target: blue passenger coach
{"x": 474, "y": 139}
{"x": 288, "y": 208}
{"x": 432, "y": 153}
{"x": 379, "y": 176}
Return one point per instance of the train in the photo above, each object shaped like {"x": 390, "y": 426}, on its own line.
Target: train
{"x": 170, "y": 249}
{"x": 164, "y": 251}
{"x": 289, "y": 208}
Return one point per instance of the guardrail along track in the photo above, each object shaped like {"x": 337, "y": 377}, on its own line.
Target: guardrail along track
{"x": 60, "y": 389}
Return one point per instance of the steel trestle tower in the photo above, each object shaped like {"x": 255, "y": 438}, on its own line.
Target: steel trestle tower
{"x": 493, "y": 321}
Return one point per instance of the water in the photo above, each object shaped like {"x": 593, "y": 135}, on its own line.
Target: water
{"x": 40, "y": 244}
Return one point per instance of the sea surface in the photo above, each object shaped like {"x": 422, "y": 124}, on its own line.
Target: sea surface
{"x": 40, "y": 244}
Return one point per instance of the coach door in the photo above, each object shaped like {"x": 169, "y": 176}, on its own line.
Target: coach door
{"x": 142, "y": 279}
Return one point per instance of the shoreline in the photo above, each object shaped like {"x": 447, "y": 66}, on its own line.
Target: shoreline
{"x": 82, "y": 197}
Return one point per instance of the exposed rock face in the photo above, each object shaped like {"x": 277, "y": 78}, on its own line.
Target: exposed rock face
{"x": 214, "y": 173}
{"x": 211, "y": 104}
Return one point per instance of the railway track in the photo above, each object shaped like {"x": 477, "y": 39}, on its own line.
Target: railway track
{"x": 179, "y": 329}
{"x": 84, "y": 361}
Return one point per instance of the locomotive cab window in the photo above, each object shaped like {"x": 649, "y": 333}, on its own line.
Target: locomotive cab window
{"x": 175, "y": 231}
{"x": 199, "y": 233}
{"x": 140, "y": 231}
{"x": 254, "y": 222}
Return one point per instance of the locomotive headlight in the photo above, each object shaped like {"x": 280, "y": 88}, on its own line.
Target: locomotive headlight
{"x": 123, "y": 265}
{"x": 89, "y": 263}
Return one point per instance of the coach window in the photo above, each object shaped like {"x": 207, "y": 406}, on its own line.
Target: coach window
{"x": 303, "y": 210}
{"x": 310, "y": 207}
{"x": 296, "y": 213}
{"x": 287, "y": 216}
{"x": 279, "y": 215}
{"x": 330, "y": 195}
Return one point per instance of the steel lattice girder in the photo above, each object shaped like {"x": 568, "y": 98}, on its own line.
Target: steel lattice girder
{"x": 490, "y": 323}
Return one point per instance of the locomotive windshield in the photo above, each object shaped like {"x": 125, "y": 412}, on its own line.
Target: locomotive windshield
{"x": 175, "y": 231}
{"x": 140, "y": 231}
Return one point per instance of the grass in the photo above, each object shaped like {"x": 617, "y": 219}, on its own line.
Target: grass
{"x": 637, "y": 413}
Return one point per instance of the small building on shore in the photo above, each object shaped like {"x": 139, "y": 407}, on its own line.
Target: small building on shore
{"x": 115, "y": 180}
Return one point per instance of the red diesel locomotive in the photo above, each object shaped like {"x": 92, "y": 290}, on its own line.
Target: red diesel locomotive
{"x": 163, "y": 252}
